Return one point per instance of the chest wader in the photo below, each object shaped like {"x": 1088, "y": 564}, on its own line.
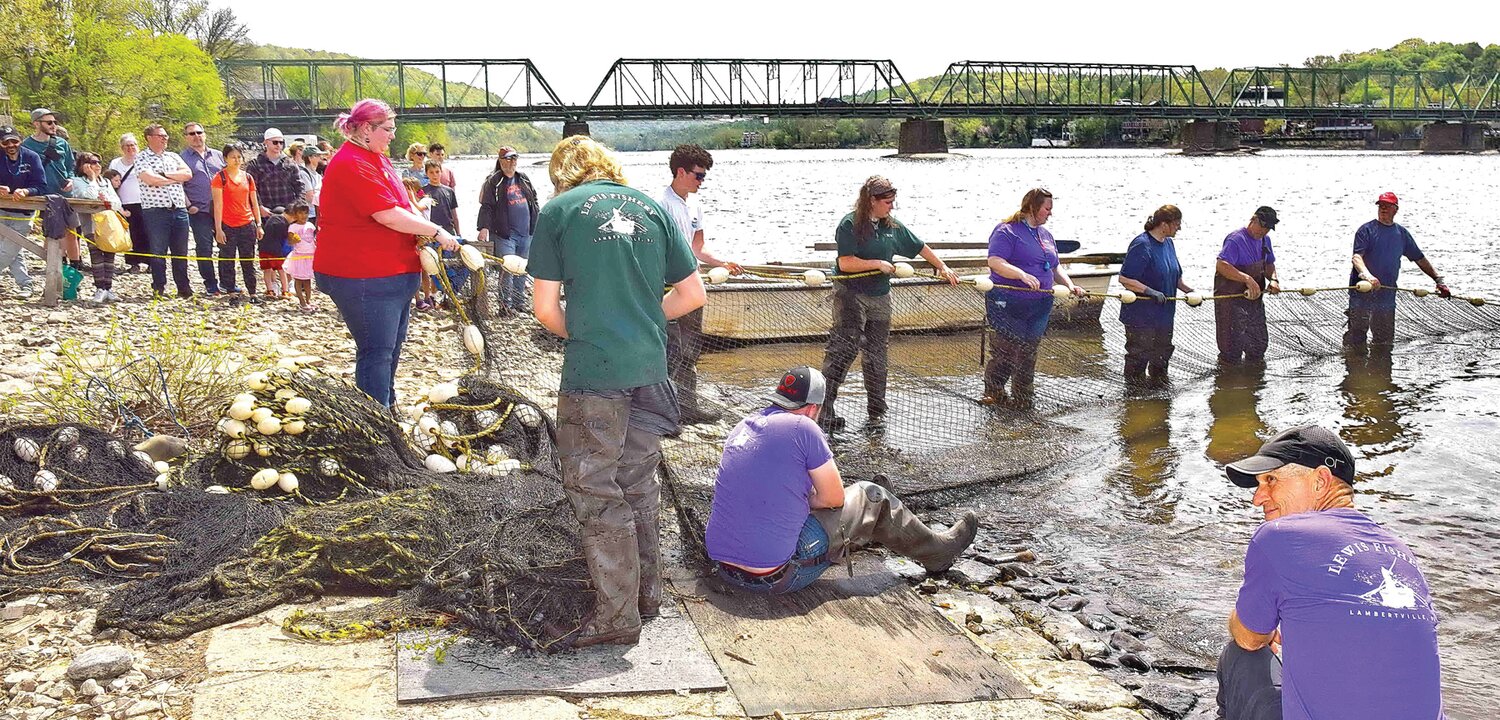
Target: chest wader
{"x": 684, "y": 346}
{"x": 871, "y": 514}
{"x": 1240, "y": 323}
{"x": 861, "y": 326}
{"x": 1017, "y": 323}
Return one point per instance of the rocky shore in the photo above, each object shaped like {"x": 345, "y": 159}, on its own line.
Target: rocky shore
{"x": 1082, "y": 655}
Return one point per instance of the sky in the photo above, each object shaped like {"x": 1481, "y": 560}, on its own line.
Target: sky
{"x": 573, "y": 43}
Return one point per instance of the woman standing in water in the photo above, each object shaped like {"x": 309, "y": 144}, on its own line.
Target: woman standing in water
{"x": 1151, "y": 271}
{"x": 1022, "y": 256}
{"x": 868, "y": 239}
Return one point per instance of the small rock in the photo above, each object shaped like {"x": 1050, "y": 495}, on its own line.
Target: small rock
{"x": 144, "y": 707}
{"x": 1134, "y": 662}
{"x": 1125, "y": 642}
{"x": 1024, "y": 556}
{"x": 1033, "y": 588}
{"x": 56, "y": 318}
{"x": 1011, "y": 571}
{"x": 1166, "y": 656}
{"x": 970, "y": 572}
{"x": 1002, "y": 593}
{"x": 85, "y": 624}
{"x": 101, "y": 663}
{"x": 1068, "y": 603}
{"x": 1169, "y": 700}
{"x": 905, "y": 569}
{"x": 1102, "y": 623}
{"x": 90, "y": 688}
{"x": 119, "y": 684}
{"x": 927, "y": 587}
{"x": 18, "y": 677}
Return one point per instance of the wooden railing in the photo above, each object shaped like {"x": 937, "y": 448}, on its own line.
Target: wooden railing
{"x": 51, "y": 248}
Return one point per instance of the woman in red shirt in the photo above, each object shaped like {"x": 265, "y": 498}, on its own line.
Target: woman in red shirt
{"x": 236, "y": 220}
{"x": 367, "y": 245}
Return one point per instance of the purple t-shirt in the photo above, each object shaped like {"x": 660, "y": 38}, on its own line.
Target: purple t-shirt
{"x": 1358, "y": 630}
{"x": 1241, "y": 248}
{"x": 762, "y": 494}
{"x": 1030, "y": 249}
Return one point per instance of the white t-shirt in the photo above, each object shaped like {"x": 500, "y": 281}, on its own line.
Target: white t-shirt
{"x": 688, "y": 214}
{"x": 166, "y": 196}
{"x": 130, "y": 188}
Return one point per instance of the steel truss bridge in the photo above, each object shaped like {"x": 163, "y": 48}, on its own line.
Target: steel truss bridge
{"x": 313, "y": 91}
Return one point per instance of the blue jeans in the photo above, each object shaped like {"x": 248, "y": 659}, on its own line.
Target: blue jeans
{"x": 202, "y": 223}
{"x": 806, "y": 565}
{"x": 167, "y": 229}
{"x": 376, "y": 310}
{"x": 11, "y": 254}
{"x": 513, "y": 287}
{"x": 1249, "y": 684}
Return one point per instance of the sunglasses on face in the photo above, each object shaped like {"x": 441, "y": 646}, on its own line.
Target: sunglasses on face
{"x": 194, "y": 132}
{"x": 700, "y": 175}
{"x": 10, "y": 143}
{"x": 419, "y": 154}
{"x": 278, "y": 142}
{"x": 47, "y": 122}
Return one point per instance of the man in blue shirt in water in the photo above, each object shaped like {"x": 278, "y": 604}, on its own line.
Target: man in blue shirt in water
{"x": 1379, "y": 246}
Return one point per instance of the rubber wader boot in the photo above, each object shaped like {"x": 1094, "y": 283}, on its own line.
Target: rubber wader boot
{"x": 872, "y": 514}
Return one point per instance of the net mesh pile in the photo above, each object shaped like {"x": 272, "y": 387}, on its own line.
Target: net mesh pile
{"x": 455, "y": 512}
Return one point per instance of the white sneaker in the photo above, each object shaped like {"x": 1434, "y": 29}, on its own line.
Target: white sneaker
{"x": 101, "y": 296}
{"x": 24, "y": 292}
{"x": 111, "y": 296}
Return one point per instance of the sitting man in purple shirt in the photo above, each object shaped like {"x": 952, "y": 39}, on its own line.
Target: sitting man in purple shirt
{"x": 1245, "y": 266}
{"x": 781, "y": 514}
{"x": 1334, "y": 619}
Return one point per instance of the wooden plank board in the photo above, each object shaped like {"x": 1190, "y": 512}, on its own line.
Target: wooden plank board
{"x": 843, "y": 643}
{"x": 669, "y": 657}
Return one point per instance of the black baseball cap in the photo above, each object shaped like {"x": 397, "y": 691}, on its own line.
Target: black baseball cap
{"x": 1309, "y": 446}
{"x": 1267, "y": 217}
{"x": 799, "y": 387}
{"x": 7, "y": 132}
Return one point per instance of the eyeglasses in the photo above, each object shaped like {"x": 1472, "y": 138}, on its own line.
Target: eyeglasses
{"x": 419, "y": 154}
{"x": 278, "y": 142}
{"x": 194, "y": 132}
{"x": 700, "y": 175}
{"x": 163, "y": 136}
{"x": 387, "y": 128}
{"x": 47, "y": 122}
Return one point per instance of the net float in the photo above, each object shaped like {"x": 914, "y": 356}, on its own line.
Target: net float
{"x": 145, "y": 460}
{"x": 294, "y": 427}
{"x": 514, "y": 264}
{"x": 244, "y": 398}
{"x": 241, "y": 410}
{"x": 983, "y": 283}
{"x": 473, "y": 340}
{"x": 287, "y": 364}
{"x": 262, "y": 449}
{"x": 256, "y": 381}
{"x": 269, "y": 426}
{"x": 259, "y": 415}
{"x": 427, "y": 424}
{"x": 285, "y": 394}
{"x": 1061, "y": 292}
{"x": 216, "y": 490}
{"x": 45, "y": 480}
{"x": 1308, "y": 292}
{"x": 329, "y": 467}
{"x": 162, "y": 481}
{"x": 461, "y": 463}
{"x": 264, "y": 479}
{"x": 237, "y": 449}
{"x": 161, "y": 467}
{"x": 233, "y": 428}
{"x": 496, "y": 454}
{"x": 528, "y": 415}
{"x": 431, "y": 263}
{"x": 814, "y": 277}
{"x": 486, "y": 418}
{"x": 471, "y": 257}
{"x": 67, "y": 435}
{"x": 1476, "y": 301}
{"x": 442, "y": 392}
{"x": 1364, "y": 286}
{"x": 414, "y": 412}
{"x": 1194, "y": 299}
{"x": 1421, "y": 292}
{"x": 27, "y": 449}
{"x": 1126, "y": 297}
{"x": 439, "y": 464}
{"x": 287, "y": 482}
{"x": 718, "y": 275}
{"x": 903, "y": 270}
{"x": 298, "y": 405}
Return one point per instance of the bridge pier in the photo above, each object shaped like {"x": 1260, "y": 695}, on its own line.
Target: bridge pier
{"x": 575, "y": 127}
{"x": 1443, "y": 137}
{"x": 1203, "y": 137}
{"x": 922, "y": 137}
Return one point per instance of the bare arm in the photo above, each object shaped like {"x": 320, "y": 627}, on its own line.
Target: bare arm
{"x": 937, "y": 264}
{"x": 218, "y": 194}
{"x": 1363, "y": 272}
{"x": 1004, "y": 269}
{"x": 828, "y": 486}
{"x": 403, "y": 220}
{"x": 546, "y": 303}
{"x": 853, "y": 264}
{"x": 1060, "y": 277}
{"x": 1230, "y": 272}
{"x": 686, "y": 296}
{"x": 1133, "y": 285}
{"x": 1245, "y": 637}
{"x": 1431, "y": 271}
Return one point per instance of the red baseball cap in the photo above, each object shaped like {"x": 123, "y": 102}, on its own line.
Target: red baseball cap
{"x": 1388, "y": 197}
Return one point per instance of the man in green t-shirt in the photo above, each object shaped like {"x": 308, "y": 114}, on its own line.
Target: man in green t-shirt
{"x": 868, "y": 239}
{"x": 612, "y": 249}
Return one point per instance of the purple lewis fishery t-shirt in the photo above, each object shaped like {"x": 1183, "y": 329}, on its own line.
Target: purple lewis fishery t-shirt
{"x": 762, "y": 494}
{"x": 1241, "y": 248}
{"x": 1358, "y": 630}
{"x": 1031, "y": 249}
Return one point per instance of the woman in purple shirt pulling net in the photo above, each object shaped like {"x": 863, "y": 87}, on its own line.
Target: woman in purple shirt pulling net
{"x": 1022, "y": 257}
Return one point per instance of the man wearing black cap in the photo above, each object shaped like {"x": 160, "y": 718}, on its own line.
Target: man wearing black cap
{"x": 1245, "y": 266}
{"x": 1334, "y": 619}
{"x": 21, "y": 175}
{"x": 781, "y": 514}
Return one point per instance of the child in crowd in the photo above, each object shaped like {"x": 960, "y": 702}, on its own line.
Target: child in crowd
{"x": 273, "y": 249}
{"x": 299, "y": 264}
{"x": 444, "y": 210}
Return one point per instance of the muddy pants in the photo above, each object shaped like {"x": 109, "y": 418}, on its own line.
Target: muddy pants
{"x": 610, "y": 446}
{"x": 1240, "y": 329}
{"x": 1147, "y": 347}
{"x": 1018, "y": 322}
{"x": 684, "y": 345}
{"x": 861, "y": 325}
{"x": 1378, "y": 324}
{"x": 1249, "y": 684}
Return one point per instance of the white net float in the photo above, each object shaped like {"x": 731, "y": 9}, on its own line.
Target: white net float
{"x": 814, "y": 277}
{"x": 718, "y": 275}
{"x": 471, "y": 257}
{"x": 903, "y": 270}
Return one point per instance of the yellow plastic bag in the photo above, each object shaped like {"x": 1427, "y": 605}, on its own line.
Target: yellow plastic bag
{"x": 111, "y": 233}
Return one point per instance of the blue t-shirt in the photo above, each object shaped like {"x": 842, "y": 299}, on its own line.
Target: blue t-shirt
{"x": 1241, "y": 248}
{"x": 1358, "y": 629}
{"x": 517, "y": 210}
{"x": 1382, "y": 247}
{"x": 1155, "y": 265}
{"x": 1031, "y": 249}
{"x": 444, "y": 204}
{"x": 761, "y": 496}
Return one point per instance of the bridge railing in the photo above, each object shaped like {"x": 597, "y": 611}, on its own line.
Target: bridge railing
{"x": 1098, "y": 88}
{"x": 318, "y": 89}
{"x": 1359, "y": 92}
{"x": 648, "y": 87}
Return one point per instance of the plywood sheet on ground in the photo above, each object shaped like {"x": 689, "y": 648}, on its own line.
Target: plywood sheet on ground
{"x": 843, "y": 643}
{"x": 669, "y": 657}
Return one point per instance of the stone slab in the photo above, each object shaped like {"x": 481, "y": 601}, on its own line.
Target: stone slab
{"x": 1074, "y": 684}
{"x": 257, "y": 644}
{"x": 669, "y": 657}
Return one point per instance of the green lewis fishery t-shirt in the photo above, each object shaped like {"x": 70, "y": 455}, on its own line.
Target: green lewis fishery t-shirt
{"x": 888, "y": 241}
{"x": 613, "y": 249}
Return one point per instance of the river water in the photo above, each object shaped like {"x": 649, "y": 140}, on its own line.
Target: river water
{"x": 1145, "y": 513}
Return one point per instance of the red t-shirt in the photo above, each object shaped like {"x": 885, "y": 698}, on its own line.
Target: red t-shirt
{"x": 237, "y": 210}
{"x": 351, "y": 244}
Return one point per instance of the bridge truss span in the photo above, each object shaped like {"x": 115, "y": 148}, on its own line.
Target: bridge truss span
{"x": 1367, "y": 93}
{"x": 648, "y": 88}
{"x": 983, "y": 87}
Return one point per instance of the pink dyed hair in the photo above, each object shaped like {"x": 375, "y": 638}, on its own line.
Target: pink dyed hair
{"x": 368, "y": 110}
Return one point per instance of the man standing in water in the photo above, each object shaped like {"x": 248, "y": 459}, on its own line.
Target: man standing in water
{"x": 1335, "y": 619}
{"x": 1379, "y": 246}
{"x": 1245, "y": 265}
{"x": 689, "y": 165}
